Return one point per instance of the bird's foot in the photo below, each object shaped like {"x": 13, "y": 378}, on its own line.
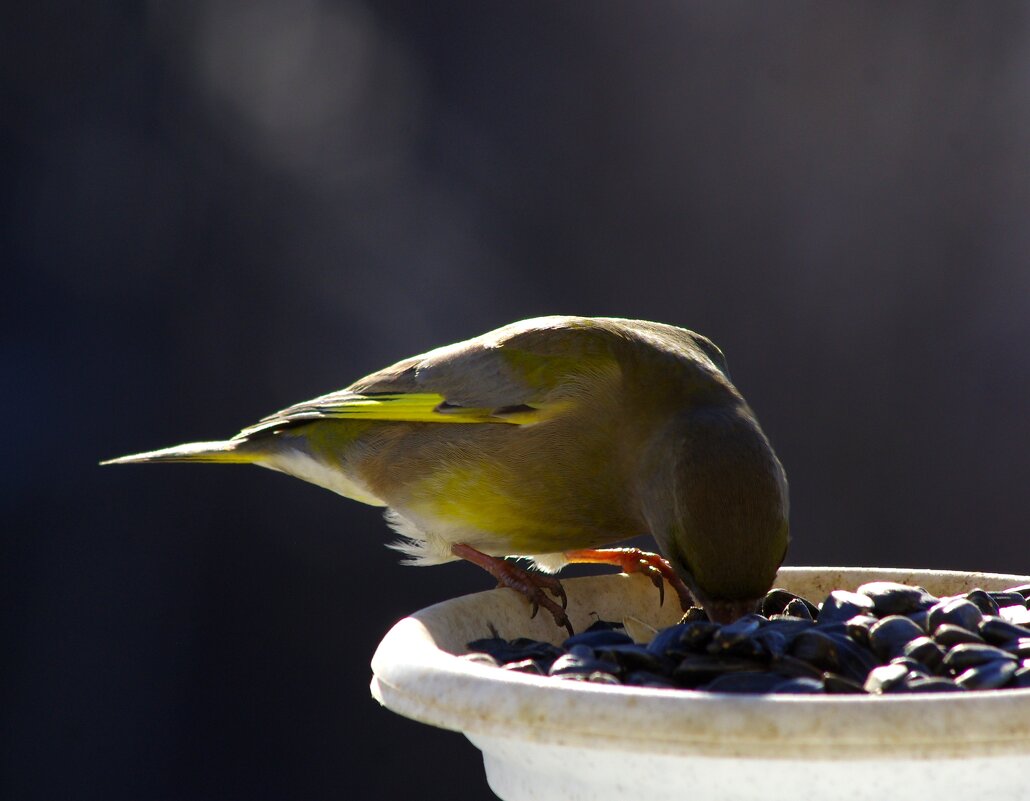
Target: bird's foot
{"x": 528, "y": 583}
{"x": 634, "y": 560}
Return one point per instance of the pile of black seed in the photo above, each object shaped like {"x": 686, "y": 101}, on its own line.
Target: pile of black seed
{"x": 884, "y": 638}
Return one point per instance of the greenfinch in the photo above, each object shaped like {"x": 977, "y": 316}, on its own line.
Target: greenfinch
{"x": 548, "y": 439}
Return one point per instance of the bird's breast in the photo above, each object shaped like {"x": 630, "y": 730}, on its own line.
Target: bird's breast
{"x": 538, "y": 488}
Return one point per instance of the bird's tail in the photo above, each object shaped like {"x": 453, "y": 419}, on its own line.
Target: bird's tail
{"x": 230, "y": 451}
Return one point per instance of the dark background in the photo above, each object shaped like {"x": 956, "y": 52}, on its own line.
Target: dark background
{"x": 212, "y": 210}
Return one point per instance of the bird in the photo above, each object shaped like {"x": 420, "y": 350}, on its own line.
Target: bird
{"x": 548, "y": 440}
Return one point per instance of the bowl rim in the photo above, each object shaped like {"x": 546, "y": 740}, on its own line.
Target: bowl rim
{"x": 415, "y": 677}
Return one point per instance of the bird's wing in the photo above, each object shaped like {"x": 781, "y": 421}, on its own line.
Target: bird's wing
{"x": 520, "y": 374}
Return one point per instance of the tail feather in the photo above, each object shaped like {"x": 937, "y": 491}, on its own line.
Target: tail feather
{"x": 230, "y": 451}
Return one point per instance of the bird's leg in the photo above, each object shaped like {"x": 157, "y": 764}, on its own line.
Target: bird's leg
{"x": 634, "y": 560}
{"x": 523, "y": 581}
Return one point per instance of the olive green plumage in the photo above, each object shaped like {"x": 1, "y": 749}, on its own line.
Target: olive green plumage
{"x": 545, "y": 436}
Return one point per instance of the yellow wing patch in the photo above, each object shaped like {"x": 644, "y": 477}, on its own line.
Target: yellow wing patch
{"x": 425, "y": 407}
{"x": 401, "y": 407}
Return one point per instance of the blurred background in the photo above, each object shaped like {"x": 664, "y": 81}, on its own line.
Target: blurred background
{"x": 211, "y": 210}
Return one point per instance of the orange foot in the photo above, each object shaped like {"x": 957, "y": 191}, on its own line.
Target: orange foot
{"x": 634, "y": 560}
{"x": 530, "y": 584}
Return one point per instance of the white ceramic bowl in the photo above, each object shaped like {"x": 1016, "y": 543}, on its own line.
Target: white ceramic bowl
{"x": 549, "y": 739}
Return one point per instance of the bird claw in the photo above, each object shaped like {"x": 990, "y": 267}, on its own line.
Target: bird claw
{"x": 535, "y": 593}
{"x": 559, "y": 592}
{"x": 538, "y": 599}
{"x": 654, "y": 574}
{"x": 530, "y": 584}
{"x": 656, "y": 579}
{"x": 634, "y": 560}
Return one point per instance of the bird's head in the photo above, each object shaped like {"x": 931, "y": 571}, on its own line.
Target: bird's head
{"x": 715, "y": 499}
